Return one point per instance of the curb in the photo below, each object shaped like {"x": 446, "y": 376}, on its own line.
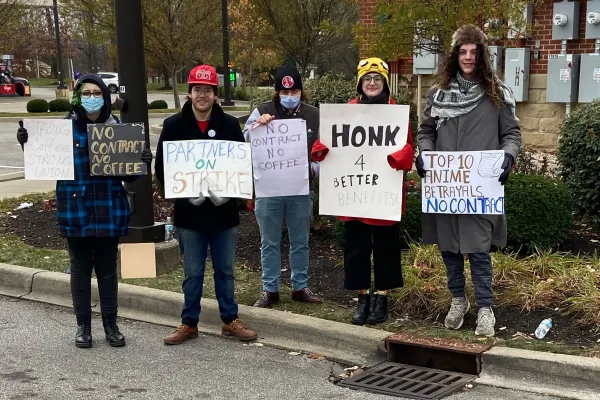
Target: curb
{"x": 539, "y": 372}
{"x": 12, "y": 176}
{"x": 344, "y": 343}
{"x": 34, "y": 116}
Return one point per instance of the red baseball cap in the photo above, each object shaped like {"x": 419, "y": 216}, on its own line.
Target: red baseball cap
{"x": 203, "y": 75}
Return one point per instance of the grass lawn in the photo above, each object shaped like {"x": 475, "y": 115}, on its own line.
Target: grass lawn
{"x": 566, "y": 285}
{"x": 156, "y": 87}
{"x": 46, "y": 82}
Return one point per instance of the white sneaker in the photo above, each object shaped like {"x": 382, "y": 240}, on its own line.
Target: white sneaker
{"x": 485, "y": 322}
{"x": 456, "y": 316}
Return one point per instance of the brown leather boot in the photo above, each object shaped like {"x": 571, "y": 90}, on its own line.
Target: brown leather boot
{"x": 305, "y": 296}
{"x": 238, "y": 330}
{"x": 182, "y": 334}
{"x": 267, "y": 299}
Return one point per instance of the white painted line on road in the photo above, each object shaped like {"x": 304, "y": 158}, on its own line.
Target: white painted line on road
{"x": 6, "y": 166}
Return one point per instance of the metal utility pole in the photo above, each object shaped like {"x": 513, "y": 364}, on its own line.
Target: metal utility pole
{"x": 226, "y": 82}
{"x": 59, "y": 66}
{"x": 132, "y": 82}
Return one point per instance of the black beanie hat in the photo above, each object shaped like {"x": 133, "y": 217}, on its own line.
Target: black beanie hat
{"x": 288, "y": 78}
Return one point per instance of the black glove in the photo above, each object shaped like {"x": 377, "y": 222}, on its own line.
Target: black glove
{"x": 507, "y": 165}
{"x": 420, "y": 166}
{"x": 147, "y": 156}
{"x": 22, "y": 135}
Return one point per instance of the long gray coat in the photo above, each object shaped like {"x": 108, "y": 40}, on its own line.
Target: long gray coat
{"x": 487, "y": 127}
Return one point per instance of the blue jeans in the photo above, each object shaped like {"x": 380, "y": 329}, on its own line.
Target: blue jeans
{"x": 270, "y": 212}
{"x": 481, "y": 274}
{"x": 222, "y": 250}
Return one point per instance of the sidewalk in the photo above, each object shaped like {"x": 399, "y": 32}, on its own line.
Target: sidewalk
{"x": 20, "y": 187}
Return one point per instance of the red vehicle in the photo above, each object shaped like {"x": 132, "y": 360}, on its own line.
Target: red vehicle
{"x": 12, "y": 86}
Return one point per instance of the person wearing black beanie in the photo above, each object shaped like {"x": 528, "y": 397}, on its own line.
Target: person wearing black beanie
{"x": 288, "y": 102}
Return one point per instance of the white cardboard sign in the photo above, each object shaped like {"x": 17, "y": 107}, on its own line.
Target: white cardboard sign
{"x": 194, "y": 166}
{"x": 356, "y": 179}
{"x": 48, "y": 151}
{"x": 280, "y": 158}
{"x": 463, "y": 182}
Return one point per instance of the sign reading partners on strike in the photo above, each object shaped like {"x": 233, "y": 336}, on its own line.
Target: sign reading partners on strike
{"x": 463, "y": 182}
{"x": 356, "y": 179}
{"x": 197, "y": 166}
{"x": 280, "y": 158}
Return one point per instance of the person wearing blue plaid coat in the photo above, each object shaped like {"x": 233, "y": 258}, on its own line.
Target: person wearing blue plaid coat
{"x": 93, "y": 213}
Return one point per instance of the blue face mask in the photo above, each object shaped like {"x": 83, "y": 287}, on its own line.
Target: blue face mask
{"x": 92, "y": 104}
{"x": 290, "y": 102}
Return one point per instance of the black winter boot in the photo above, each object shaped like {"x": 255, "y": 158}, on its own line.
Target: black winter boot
{"x": 380, "y": 310}
{"x": 83, "y": 338}
{"x": 362, "y": 309}
{"x": 113, "y": 335}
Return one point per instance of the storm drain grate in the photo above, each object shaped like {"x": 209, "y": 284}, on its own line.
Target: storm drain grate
{"x": 408, "y": 381}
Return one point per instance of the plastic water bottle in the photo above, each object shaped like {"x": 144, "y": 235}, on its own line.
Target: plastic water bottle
{"x": 543, "y": 329}
{"x": 168, "y": 230}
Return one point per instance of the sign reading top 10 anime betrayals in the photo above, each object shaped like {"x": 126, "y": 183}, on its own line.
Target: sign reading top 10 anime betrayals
{"x": 356, "y": 179}
{"x": 463, "y": 182}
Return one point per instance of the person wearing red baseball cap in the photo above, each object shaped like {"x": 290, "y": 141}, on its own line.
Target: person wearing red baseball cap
{"x": 287, "y": 103}
{"x": 205, "y": 221}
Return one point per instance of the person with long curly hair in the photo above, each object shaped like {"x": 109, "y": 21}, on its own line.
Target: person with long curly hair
{"x": 469, "y": 109}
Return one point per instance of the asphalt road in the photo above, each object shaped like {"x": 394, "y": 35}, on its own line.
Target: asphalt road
{"x": 38, "y": 361}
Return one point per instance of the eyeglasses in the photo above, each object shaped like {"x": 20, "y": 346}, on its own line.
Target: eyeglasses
{"x": 87, "y": 94}
{"x": 375, "y": 78}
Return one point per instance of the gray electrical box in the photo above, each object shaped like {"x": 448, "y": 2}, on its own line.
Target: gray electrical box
{"x": 516, "y": 72}
{"x": 496, "y": 54}
{"x": 565, "y": 20}
{"x": 562, "y": 78}
{"x": 592, "y": 20}
{"x": 589, "y": 78}
{"x": 425, "y": 64}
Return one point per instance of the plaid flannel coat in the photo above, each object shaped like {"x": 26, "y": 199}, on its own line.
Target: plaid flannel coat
{"x": 91, "y": 206}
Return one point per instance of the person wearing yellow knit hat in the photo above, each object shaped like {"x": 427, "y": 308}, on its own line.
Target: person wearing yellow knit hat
{"x": 368, "y": 238}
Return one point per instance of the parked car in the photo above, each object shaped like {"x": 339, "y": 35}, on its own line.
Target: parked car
{"x": 111, "y": 79}
{"x": 22, "y": 86}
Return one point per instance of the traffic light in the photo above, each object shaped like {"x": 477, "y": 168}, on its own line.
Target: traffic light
{"x": 232, "y": 75}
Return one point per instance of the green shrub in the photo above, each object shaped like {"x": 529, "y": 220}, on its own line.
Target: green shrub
{"x": 60, "y": 105}
{"x": 221, "y": 91}
{"x": 329, "y": 88}
{"x": 539, "y": 211}
{"x": 405, "y": 96}
{"x": 37, "y": 106}
{"x": 259, "y": 96}
{"x": 241, "y": 94}
{"x": 158, "y": 105}
{"x": 579, "y": 159}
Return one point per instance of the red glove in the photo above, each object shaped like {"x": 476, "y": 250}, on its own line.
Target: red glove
{"x": 319, "y": 151}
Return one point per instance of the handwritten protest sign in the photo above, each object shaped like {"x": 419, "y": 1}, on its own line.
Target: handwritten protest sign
{"x": 49, "y": 149}
{"x": 356, "y": 179}
{"x": 194, "y": 166}
{"x": 280, "y": 158}
{"x": 116, "y": 150}
{"x": 463, "y": 182}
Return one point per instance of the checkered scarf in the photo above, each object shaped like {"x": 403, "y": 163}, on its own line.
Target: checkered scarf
{"x": 463, "y": 96}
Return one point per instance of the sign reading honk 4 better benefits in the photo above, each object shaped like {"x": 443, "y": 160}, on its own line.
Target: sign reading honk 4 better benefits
{"x": 463, "y": 182}
{"x": 116, "y": 150}
{"x": 197, "y": 166}
{"x": 356, "y": 179}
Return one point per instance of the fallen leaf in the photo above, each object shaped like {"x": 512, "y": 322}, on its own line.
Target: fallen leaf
{"x": 503, "y": 328}
{"x": 294, "y": 353}
{"x": 594, "y": 241}
{"x": 316, "y": 356}
{"x": 469, "y": 386}
{"x": 256, "y": 344}
{"x": 46, "y": 258}
{"x": 355, "y": 368}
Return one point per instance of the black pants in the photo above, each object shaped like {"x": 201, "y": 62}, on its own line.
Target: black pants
{"x": 384, "y": 242}
{"x": 100, "y": 255}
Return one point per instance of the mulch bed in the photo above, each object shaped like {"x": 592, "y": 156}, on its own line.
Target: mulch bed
{"x": 37, "y": 226}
